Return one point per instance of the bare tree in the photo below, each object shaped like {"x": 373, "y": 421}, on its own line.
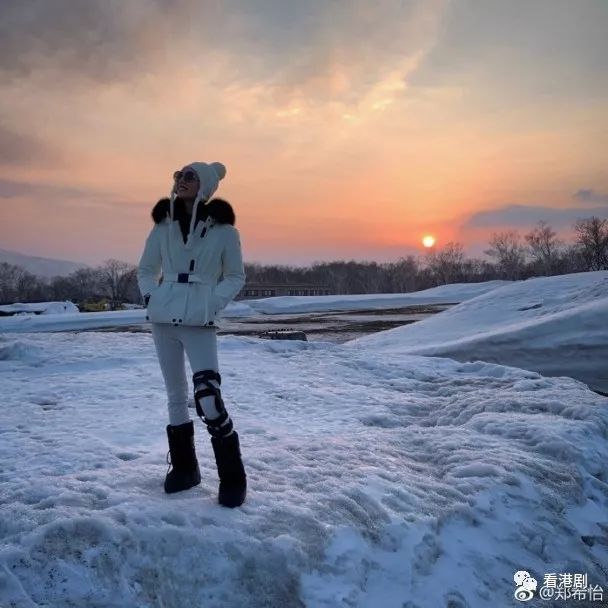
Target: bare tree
{"x": 9, "y": 274}
{"x": 334, "y": 274}
{"x": 475, "y": 270}
{"x": 19, "y": 285}
{"x": 403, "y": 274}
{"x": 592, "y": 242}
{"x": 571, "y": 260}
{"x": 544, "y": 248}
{"x": 79, "y": 286}
{"x": 61, "y": 288}
{"x": 86, "y": 283}
{"x": 131, "y": 291}
{"x": 114, "y": 278}
{"x": 447, "y": 264}
{"x": 510, "y": 254}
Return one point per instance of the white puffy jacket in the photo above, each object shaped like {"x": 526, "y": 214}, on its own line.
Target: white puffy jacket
{"x": 199, "y": 277}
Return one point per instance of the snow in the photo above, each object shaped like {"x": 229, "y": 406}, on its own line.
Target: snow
{"x": 553, "y": 325}
{"x": 45, "y": 308}
{"x": 444, "y": 294}
{"x": 72, "y": 321}
{"x": 376, "y": 478}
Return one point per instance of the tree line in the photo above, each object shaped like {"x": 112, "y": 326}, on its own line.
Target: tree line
{"x": 511, "y": 256}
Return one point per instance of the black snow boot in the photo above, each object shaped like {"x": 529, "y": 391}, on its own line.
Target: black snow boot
{"x": 233, "y": 481}
{"x": 185, "y": 472}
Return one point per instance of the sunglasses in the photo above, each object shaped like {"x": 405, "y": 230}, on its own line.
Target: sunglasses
{"x": 187, "y": 176}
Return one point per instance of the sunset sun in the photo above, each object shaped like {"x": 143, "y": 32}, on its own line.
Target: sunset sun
{"x": 428, "y": 241}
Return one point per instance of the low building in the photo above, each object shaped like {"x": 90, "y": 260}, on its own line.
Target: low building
{"x": 269, "y": 290}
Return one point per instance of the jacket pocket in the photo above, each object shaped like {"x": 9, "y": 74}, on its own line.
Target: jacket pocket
{"x": 148, "y": 296}
{"x": 217, "y": 303}
{"x": 160, "y": 308}
{"x": 200, "y": 305}
{"x": 152, "y": 293}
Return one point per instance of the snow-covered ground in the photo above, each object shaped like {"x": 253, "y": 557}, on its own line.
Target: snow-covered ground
{"x": 72, "y": 321}
{"x": 557, "y": 326}
{"x": 376, "y": 478}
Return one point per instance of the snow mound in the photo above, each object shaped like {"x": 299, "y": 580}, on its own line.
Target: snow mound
{"x": 237, "y": 309}
{"x": 45, "y": 308}
{"x": 59, "y": 308}
{"x": 444, "y": 294}
{"x": 553, "y": 325}
{"x": 23, "y": 350}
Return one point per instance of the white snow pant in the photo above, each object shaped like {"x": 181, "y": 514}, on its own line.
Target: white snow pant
{"x": 200, "y": 345}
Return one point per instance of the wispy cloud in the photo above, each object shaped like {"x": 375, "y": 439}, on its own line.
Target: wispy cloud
{"x": 16, "y": 189}
{"x": 524, "y": 216}
{"x": 588, "y": 195}
{"x": 546, "y": 49}
{"x": 60, "y": 198}
{"x": 21, "y": 148}
{"x": 288, "y": 45}
{"x": 101, "y": 40}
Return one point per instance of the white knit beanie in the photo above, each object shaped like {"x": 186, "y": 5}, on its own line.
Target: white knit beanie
{"x": 209, "y": 176}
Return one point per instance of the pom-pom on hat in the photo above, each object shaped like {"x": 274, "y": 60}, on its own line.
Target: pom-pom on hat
{"x": 209, "y": 176}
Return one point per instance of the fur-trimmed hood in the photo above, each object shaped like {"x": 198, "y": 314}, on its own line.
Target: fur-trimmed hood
{"x": 218, "y": 209}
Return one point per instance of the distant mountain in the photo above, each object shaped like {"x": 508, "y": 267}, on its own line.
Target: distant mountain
{"x": 42, "y": 267}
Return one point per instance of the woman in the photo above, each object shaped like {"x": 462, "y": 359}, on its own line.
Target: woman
{"x": 196, "y": 246}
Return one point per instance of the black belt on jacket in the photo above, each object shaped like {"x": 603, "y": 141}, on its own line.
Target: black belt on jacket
{"x": 184, "y": 277}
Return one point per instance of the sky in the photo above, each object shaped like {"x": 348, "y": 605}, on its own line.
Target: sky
{"x": 350, "y": 129}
